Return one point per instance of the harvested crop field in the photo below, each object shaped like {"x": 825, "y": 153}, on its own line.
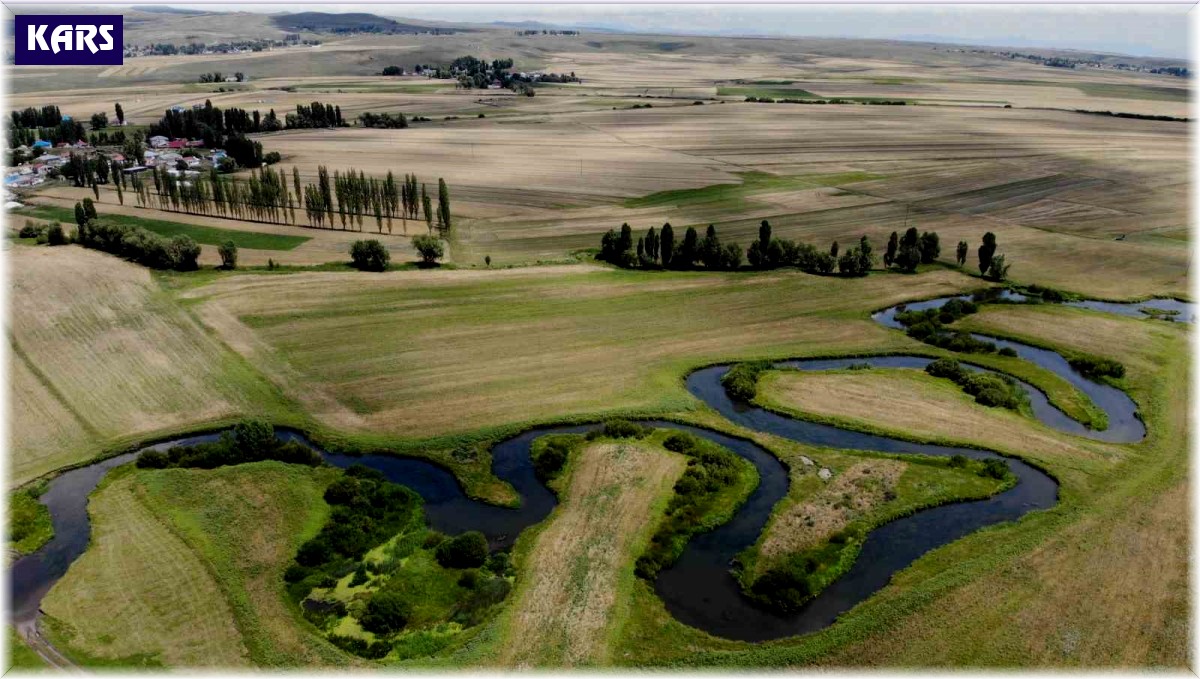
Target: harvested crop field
{"x": 579, "y": 574}
{"x": 928, "y": 408}
{"x": 141, "y": 593}
{"x": 425, "y": 352}
{"x": 103, "y": 343}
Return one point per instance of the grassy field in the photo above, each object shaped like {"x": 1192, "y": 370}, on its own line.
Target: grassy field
{"x": 996, "y": 598}
{"x": 245, "y": 539}
{"x": 21, "y": 657}
{"x": 200, "y": 234}
{"x": 104, "y": 357}
{"x": 142, "y": 596}
{"x": 576, "y": 580}
{"x": 422, "y": 353}
{"x": 185, "y": 565}
{"x": 863, "y": 490}
{"x": 921, "y": 407}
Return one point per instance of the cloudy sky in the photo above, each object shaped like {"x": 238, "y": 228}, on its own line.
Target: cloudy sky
{"x": 1143, "y": 29}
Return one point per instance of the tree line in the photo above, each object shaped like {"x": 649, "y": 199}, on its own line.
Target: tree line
{"x": 343, "y": 199}
{"x": 659, "y": 249}
{"x": 133, "y": 242}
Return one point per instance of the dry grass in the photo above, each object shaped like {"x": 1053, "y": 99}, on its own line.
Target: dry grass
{"x": 580, "y": 570}
{"x": 139, "y": 590}
{"x": 925, "y": 407}
{"x": 809, "y": 523}
{"x": 115, "y": 351}
{"x": 1111, "y": 590}
{"x": 419, "y": 353}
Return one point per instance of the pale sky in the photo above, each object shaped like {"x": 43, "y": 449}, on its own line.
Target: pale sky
{"x": 1142, "y": 29}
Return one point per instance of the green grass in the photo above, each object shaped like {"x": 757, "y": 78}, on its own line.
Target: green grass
{"x": 766, "y": 91}
{"x": 205, "y": 235}
{"x": 29, "y": 520}
{"x": 246, "y": 522}
{"x": 20, "y": 656}
{"x": 752, "y": 182}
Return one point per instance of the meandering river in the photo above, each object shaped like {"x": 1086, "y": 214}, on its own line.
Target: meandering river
{"x": 698, "y": 589}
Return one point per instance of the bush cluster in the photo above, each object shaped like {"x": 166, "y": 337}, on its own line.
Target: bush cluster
{"x": 548, "y": 459}
{"x": 249, "y": 441}
{"x": 1094, "y": 366}
{"x": 369, "y": 255}
{"x": 620, "y": 429}
{"x": 367, "y": 510}
{"x": 468, "y": 550}
{"x": 710, "y": 470}
{"x": 788, "y": 586}
{"x": 139, "y": 245}
{"x": 989, "y": 389}
{"x": 741, "y": 381}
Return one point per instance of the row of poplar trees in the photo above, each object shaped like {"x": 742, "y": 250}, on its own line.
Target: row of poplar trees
{"x": 342, "y": 200}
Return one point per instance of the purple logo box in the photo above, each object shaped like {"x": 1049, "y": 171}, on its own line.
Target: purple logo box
{"x": 69, "y": 40}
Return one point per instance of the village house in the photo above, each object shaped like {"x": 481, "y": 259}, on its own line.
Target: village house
{"x": 158, "y": 141}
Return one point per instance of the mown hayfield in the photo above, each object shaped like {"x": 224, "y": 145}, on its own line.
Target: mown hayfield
{"x": 422, "y": 353}
{"x": 578, "y": 575}
{"x": 928, "y": 408}
{"x": 140, "y": 594}
{"x": 107, "y": 357}
{"x": 245, "y": 524}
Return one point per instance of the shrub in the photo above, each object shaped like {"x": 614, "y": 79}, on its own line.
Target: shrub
{"x": 624, "y": 429}
{"x": 229, "y": 254}
{"x": 31, "y": 230}
{"x": 369, "y": 255}
{"x": 680, "y": 442}
{"x": 741, "y": 381}
{"x": 468, "y": 550}
{"x": 386, "y": 613}
{"x": 55, "y": 234}
{"x": 373, "y": 650}
{"x": 1007, "y": 351}
{"x": 549, "y": 460}
{"x": 1094, "y": 366}
{"x": 429, "y": 247}
{"x": 784, "y": 589}
{"x": 994, "y": 468}
{"x": 272, "y": 157}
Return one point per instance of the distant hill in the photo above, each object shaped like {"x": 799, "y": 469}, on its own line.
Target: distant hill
{"x": 358, "y": 22}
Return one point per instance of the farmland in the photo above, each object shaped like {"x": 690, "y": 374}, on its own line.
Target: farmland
{"x": 459, "y": 368}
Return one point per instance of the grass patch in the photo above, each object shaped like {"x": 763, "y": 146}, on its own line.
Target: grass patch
{"x": 752, "y": 183}
{"x": 28, "y": 520}
{"x": 246, "y": 522}
{"x": 205, "y": 235}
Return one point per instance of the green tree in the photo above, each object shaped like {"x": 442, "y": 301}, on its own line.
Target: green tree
{"x": 387, "y": 612}
{"x": 998, "y": 268}
{"x": 833, "y": 250}
{"x": 986, "y": 251}
{"x": 80, "y": 215}
{"x": 120, "y": 113}
{"x": 930, "y": 247}
{"x": 960, "y": 254}
{"x": 764, "y": 235}
{"x": 99, "y": 120}
{"x": 443, "y": 212}
{"x": 431, "y": 250}
{"x": 369, "y": 255}
{"x": 468, "y": 550}
{"x": 688, "y": 250}
{"x": 228, "y": 252}
{"x": 892, "y": 247}
{"x": 667, "y": 244}
{"x": 909, "y": 254}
